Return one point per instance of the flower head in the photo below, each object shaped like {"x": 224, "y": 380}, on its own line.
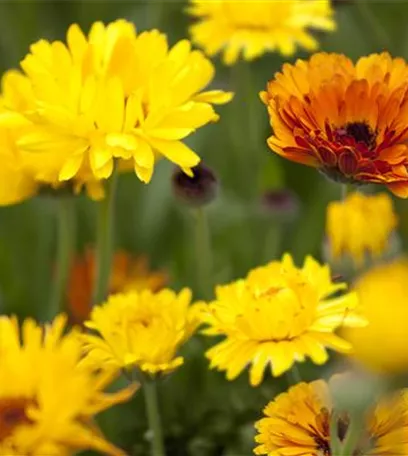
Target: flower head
{"x": 141, "y": 330}
{"x": 256, "y": 27}
{"x": 278, "y": 315}
{"x": 298, "y": 423}
{"x": 47, "y": 399}
{"x": 23, "y": 173}
{"x": 347, "y": 120}
{"x": 361, "y": 225}
{"x": 128, "y": 273}
{"x": 382, "y": 291}
{"x": 112, "y": 95}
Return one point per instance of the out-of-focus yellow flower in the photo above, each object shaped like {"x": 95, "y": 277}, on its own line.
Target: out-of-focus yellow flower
{"x": 316, "y": 120}
{"x": 255, "y": 27}
{"x": 360, "y": 226}
{"x": 128, "y": 273}
{"x": 297, "y": 423}
{"x": 382, "y": 291}
{"x": 47, "y": 399}
{"x": 141, "y": 330}
{"x": 16, "y": 183}
{"x": 111, "y": 95}
{"x": 278, "y": 315}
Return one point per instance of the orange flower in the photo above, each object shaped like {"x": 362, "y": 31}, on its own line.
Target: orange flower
{"x": 347, "y": 120}
{"x": 127, "y": 274}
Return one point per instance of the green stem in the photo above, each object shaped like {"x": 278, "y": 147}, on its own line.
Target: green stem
{"x": 153, "y": 417}
{"x": 345, "y": 190}
{"x": 335, "y": 445}
{"x": 247, "y": 137}
{"x": 65, "y": 248}
{"x": 104, "y": 241}
{"x": 203, "y": 253}
{"x": 352, "y": 436}
{"x": 273, "y": 241}
{"x": 374, "y": 24}
{"x": 293, "y": 376}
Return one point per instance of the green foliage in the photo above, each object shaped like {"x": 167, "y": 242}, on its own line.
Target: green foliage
{"x": 203, "y": 413}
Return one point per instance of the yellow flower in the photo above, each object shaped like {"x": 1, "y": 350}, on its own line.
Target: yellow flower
{"x": 141, "y": 329}
{"x": 381, "y": 346}
{"x": 16, "y": 184}
{"x": 279, "y": 314}
{"x": 297, "y": 423}
{"x": 47, "y": 399}
{"x": 256, "y": 27}
{"x": 359, "y": 226}
{"x": 22, "y": 174}
{"x": 127, "y": 274}
{"x": 317, "y": 121}
{"x": 112, "y": 95}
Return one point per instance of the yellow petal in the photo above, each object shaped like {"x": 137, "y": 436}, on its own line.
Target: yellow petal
{"x": 176, "y": 152}
{"x": 71, "y": 167}
{"x": 214, "y": 96}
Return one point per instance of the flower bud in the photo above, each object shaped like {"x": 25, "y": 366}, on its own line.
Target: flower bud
{"x": 198, "y": 190}
{"x": 282, "y": 204}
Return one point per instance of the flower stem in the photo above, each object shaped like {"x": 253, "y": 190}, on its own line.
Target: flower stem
{"x": 374, "y": 24}
{"x": 203, "y": 253}
{"x": 153, "y": 417}
{"x": 352, "y": 436}
{"x": 294, "y": 376}
{"x": 335, "y": 445}
{"x": 345, "y": 190}
{"x": 65, "y": 248}
{"x": 104, "y": 241}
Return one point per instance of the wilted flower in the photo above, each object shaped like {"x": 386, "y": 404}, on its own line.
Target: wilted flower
{"x": 346, "y": 120}
{"x": 127, "y": 273}
{"x": 47, "y": 399}
{"x": 382, "y": 291}
{"x": 111, "y": 95}
{"x": 298, "y": 423}
{"x": 255, "y": 27}
{"x": 360, "y": 226}
{"x": 278, "y": 315}
{"x": 142, "y": 330}
{"x": 198, "y": 189}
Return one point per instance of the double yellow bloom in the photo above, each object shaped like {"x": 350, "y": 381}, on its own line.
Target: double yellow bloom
{"x": 112, "y": 98}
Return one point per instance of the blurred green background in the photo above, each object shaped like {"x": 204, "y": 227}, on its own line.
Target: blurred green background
{"x": 203, "y": 413}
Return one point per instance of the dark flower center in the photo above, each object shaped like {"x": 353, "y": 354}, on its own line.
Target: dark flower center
{"x": 12, "y": 415}
{"x": 361, "y": 132}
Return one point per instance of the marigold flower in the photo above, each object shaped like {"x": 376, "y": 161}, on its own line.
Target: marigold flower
{"x": 128, "y": 273}
{"x": 16, "y": 182}
{"x": 298, "y": 423}
{"x": 360, "y": 226}
{"x": 48, "y": 400}
{"x": 141, "y": 330}
{"x": 278, "y": 315}
{"x": 346, "y": 120}
{"x": 23, "y": 174}
{"x": 256, "y": 27}
{"x": 382, "y": 291}
{"x": 114, "y": 95}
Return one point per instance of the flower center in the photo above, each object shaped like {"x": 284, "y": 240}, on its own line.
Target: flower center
{"x": 12, "y": 415}
{"x": 361, "y": 132}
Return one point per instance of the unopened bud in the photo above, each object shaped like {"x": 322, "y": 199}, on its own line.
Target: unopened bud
{"x": 198, "y": 190}
{"x": 281, "y": 204}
